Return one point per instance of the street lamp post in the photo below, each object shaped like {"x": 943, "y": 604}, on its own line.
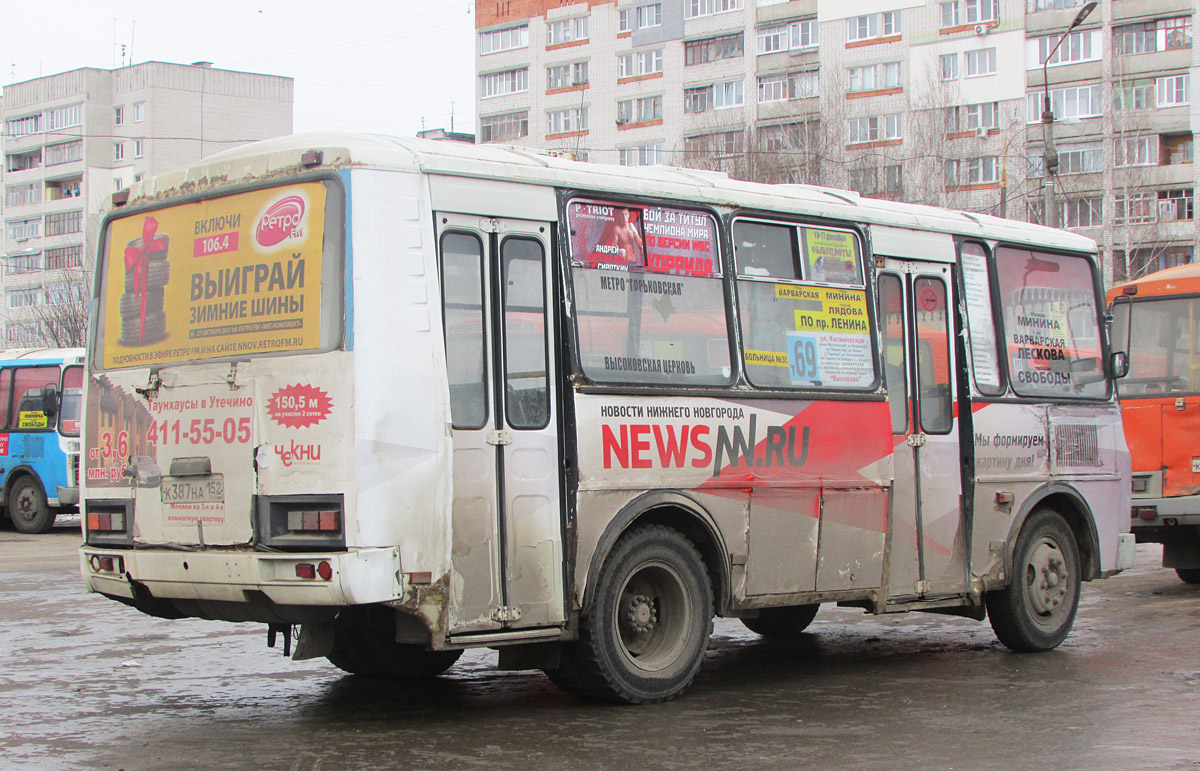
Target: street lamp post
{"x": 1049, "y": 153}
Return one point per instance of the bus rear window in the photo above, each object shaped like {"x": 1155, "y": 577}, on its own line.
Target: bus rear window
{"x": 1050, "y": 324}
{"x": 649, "y": 302}
{"x": 237, "y": 275}
{"x": 71, "y": 401}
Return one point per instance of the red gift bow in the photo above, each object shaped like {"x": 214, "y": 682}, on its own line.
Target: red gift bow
{"x": 138, "y": 261}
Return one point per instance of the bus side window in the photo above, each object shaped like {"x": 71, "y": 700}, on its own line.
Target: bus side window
{"x": 891, "y": 322}
{"x": 462, "y": 300}
{"x": 5, "y": 395}
{"x": 933, "y": 356}
{"x": 525, "y": 375}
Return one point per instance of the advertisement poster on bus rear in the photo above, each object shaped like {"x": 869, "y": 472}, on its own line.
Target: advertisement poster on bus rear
{"x": 239, "y": 274}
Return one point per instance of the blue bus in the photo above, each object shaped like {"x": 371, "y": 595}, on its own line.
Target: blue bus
{"x": 40, "y": 398}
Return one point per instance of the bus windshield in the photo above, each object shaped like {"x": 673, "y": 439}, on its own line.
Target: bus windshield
{"x": 1164, "y": 346}
{"x": 219, "y": 277}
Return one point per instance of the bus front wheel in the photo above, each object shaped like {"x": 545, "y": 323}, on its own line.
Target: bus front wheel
{"x": 1037, "y": 608}
{"x": 782, "y": 623}
{"x": 372, "y": 651}
{"x": 27, "y": 507}
{"x": 645, "y": 633}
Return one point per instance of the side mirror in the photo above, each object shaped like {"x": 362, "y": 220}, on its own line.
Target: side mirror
{"x": 1119, "y": 364}
{"x": 50, "y": 401}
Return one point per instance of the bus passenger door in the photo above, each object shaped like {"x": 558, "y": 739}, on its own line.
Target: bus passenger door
{"x": 927, "y": 557}
{"x": 506, "y": 511}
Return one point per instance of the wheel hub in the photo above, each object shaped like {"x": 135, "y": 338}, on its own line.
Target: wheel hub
{"x": 1047, "y": 579}
{"x": 640, "y": 614}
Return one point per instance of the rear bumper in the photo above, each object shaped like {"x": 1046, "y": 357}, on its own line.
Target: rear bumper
{"x": 358, "y": 577}
{"x": 1167, "y": 512}
{"x": 68, "y": 496}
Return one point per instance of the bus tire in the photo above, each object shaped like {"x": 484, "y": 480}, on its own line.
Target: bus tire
{"x": 372, "y": 651}
{"x": 644, "y": 636}
{"x": 27, "y": 507}
{"x": 782, "y": 623}
{"x": 1188, "y": 575}
{"x": 1037, "y": 608}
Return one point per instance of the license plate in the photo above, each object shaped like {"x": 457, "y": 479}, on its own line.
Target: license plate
{"x": 210, "y": 489}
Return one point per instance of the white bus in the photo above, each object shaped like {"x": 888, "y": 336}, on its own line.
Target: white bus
{"x": 415, "y": 397}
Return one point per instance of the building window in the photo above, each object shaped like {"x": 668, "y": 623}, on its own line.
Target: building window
{"x": 697, "y": 99}
{"x": 64, "y": 257}
{"x": 1070, "y": 102}
{"x": 788, "y": 86}
{"x": 64, "y": 152}
{"x": 118, "y": 151}
{"x": 566, "y": 75}
{"x": 58, "y": 189}
{"x": 563, "y": 121}
{"x": 1076, "y": 47}
{"x": 728, "y": 94}
{"x": 982, "y": 116}
{"x": 887, "y": 127}
{"x": 567, "y": 31}
{"x": 863, "y": 180}
{"x": 22, "y": 298}
{"x": 1175, "y": 149}
{"x": 1174, "y": 205}
{"x": 508, "y": 126}
{"x": 982, "y": 10}
{"x": 1034, "y": 6}
{"x": 786, "y": 136}
{"x": 981, "y": 62}
{"x": 876, "y": 76}
{"x": 1137, "y": 94}
{"x": 649, "y": 15}
{"x": 26, "y": 192}
{"x": 698, "y": 8}
{"x": 1148, "y": 37}
{"x": 22, "y": 263}
{"x": 139, "y": 148}
{"x": 118, "y": 115}
{"x": 724, "y": 144}
{"x": 862, "y": 27}
{"x": 504, "y": 83}
{"x": 949, "y": 14}
{"x": 1081, "y": 158}
{"x": 1086, "y": 212}
{"x": 948, "y": 66}
{"x": 65, "y": 222}
{"x": 625, "y": 20}
{"x": 21, "y": 230}
{"x": 1174, "y": 33}
{"x": 1173, "y": 90}
{"x": 1136, "y": 151}
{"x": 649, "y": 108}
{"x": 637, "y": 64}
{"x": 64, "y": 117}
{"x": 973, "y": 171}
{"x": 891, "y": 22}
{"x": 1134, "y": 209}
{"x": 139, "y": 112}
{"x": 118, "y": 183}
{"x": 15, "y": 128}
{"x": 793, "y": 36}
{"x": 713, "y": 49}
{"x": 504, "y": 39}
{"x": 642, "y": 155}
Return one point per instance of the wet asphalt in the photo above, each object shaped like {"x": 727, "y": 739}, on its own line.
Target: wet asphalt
{"x": 86, "y": 683}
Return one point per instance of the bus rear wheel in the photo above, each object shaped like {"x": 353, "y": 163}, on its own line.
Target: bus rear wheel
{"x": 782, "y": 623}
{"x": 1188, "y": 575}
{"x": 1036, "y": 610}
{"x": 27, "y": 507}
{"x": 372, "y": 651}
{"x": 644, "y": 635}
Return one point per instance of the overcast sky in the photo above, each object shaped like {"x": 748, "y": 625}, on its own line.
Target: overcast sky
{"x": 359, "y": 65}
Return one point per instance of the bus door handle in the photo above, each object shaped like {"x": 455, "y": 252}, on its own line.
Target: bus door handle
{"x": 916, "y": 440}
{"x": 499, "y": 437}
{"x": 1179, "y": 403}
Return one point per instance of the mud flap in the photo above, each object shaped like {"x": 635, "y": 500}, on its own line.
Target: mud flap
{"x": 316, "y": 641}
{"x": 1125, "y": 550}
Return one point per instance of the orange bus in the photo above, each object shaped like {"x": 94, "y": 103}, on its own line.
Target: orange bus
{"x": 1157, "y": 319}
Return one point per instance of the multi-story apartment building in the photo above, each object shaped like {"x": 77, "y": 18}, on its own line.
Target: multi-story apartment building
{"x": 70, "y": 140}
{"x": 920, "y": 100}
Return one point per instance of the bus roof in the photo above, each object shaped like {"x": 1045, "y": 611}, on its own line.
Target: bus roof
{"x": 267, "y": 158}
{"x": 1180, "y": 279}
{"x": 32, "y": 355}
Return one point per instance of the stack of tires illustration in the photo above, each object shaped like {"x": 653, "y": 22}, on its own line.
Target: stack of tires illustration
{"x": 143, "y": 320}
